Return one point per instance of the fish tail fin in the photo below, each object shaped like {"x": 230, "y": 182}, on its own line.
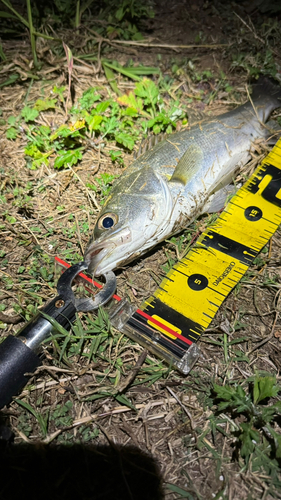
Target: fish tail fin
{"x": 267, "y": 92}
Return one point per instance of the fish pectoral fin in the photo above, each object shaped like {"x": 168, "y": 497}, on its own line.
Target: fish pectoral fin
{"x": 188, "y": 165}
{"x": 272, "y": 132}
{"x": 218, "y": 200}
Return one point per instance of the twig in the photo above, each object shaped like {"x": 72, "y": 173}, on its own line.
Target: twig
{"x": 22, "y": 435}
{"x": 252, "y": 30}
{"x": 168, "y": 46}
{"x": 159, "y": 45}
{"x": 29, "y": 230}
{"x": 7, "y": 295}
{"x": 89, "y": 194}
{"x": 79, "y": 234}
{"x": 262, "y": 342}
{"x": 81, "y": 61}
{"x": 134, "y": 371}
{"x": 183, "y": 407}
{"x": 48, "y": 439}
{"x": 99, "y": 57}
{"x": 274, "y": 323}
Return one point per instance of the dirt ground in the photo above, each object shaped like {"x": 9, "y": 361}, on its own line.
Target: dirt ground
{"x": 166, "y": 444}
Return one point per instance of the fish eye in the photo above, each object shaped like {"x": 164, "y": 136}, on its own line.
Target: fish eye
{"x": 107, "y": 221}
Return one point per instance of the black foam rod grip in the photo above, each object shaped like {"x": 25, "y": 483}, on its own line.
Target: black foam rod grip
{"x": 16, "y": 359}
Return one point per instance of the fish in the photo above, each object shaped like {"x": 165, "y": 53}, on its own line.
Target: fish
{"x": 183, "y": 176}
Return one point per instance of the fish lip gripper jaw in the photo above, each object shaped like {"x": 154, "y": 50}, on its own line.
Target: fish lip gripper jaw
{"x": 20, "y": 355}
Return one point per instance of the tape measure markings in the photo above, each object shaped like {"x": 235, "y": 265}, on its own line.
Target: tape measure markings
{"x": 187, "y": 326}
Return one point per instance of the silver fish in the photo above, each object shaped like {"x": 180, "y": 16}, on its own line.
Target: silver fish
{"x": 183, "y": 176}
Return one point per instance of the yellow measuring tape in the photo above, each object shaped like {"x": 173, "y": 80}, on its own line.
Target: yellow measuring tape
{"x": 173, "y": 318}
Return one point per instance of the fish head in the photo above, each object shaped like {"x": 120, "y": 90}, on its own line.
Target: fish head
{"x": 133, "y": 219}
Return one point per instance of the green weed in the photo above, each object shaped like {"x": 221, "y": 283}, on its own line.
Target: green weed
{"x": 102, "y": 186}
{"x": 61, "y": 415}
{"x": 231, "y": 354}
{"x": 256, "y": 64}
{"x": 255, "y": 413}
{"x": 92, "y": 120}
{"x": 41, "y": 418}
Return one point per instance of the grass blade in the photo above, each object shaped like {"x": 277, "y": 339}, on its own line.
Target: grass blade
{"x": 111, "y": 78}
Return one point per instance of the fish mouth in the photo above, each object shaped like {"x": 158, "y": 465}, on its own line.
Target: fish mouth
{"x": 98, "y": 251}
{"x": 95, "y": 254}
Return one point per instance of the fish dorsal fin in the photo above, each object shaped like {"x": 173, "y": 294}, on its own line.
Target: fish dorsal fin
{"x": 195, "y": 116}
{"x": 188, "y": 165}
{"x": 149, "y": 143}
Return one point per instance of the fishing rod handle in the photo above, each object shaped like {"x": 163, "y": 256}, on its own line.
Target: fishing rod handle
{"x": 19, "y": 354}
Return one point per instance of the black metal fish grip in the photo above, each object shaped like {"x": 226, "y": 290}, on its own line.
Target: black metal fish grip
{"x": 19, "y": 355}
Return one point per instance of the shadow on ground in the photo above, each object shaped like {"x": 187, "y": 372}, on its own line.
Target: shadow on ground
{"x": 77, "y": 472}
